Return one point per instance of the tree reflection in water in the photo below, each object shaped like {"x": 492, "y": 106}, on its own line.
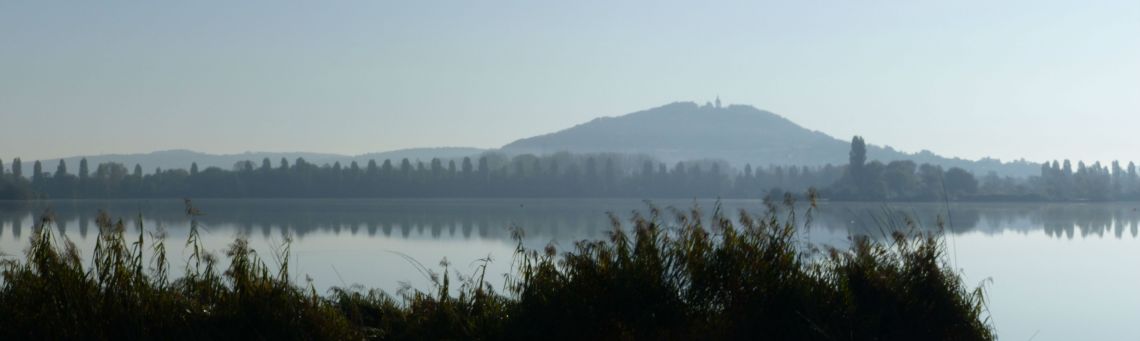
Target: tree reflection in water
{"x": 558, "y": 219}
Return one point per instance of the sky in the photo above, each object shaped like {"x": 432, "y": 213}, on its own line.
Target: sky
{"x": 1038, "y": 79}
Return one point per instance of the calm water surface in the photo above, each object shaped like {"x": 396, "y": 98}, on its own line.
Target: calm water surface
{"x": 1058, "y": 271}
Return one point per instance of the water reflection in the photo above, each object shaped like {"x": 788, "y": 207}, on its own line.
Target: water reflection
{"x": 1058, "y": 220}
{"x": 557, "y": 219}
{"x": 344, "y": 242}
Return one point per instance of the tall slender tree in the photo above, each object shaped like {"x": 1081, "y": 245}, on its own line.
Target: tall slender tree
{"x": 406, "y": 167}
{"x": 61, "y": 170}
{"x": 858, "y": 154}
{"x": 856, "y": 176}
{"x": 372, "y": 169}
{"x": 84, "y": 172}
{"x": 17, "y": 168}
{"x": 37, "y": 172}
{"x": 467, "y": 167}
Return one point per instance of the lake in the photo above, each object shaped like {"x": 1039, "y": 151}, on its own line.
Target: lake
{"x": 1056, "y": 271}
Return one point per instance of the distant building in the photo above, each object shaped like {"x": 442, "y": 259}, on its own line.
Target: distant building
{"x": 718, "y": 101}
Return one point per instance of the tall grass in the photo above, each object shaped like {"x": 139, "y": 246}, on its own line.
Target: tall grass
{"x": 750, "y": 279}
{"x": 672, "y": 275}
{"x": 52, "y": 295}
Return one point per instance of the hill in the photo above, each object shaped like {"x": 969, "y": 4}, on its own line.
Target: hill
{"x": 738, "y": 134}
{"x": 681, "y": 131}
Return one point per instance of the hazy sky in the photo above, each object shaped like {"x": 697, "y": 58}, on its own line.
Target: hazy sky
{"x": 1009, "y": 79}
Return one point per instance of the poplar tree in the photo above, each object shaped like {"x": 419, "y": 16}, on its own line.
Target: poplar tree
{"x": 84, "y": 173}
{"x": 17, "y": 168}
{"x": 37, "y": 172}
{"x": 61, "y": 170}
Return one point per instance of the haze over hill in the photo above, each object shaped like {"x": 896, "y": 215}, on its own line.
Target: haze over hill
{"x": 681, "y": 131}
{"x": 739, "y": 134}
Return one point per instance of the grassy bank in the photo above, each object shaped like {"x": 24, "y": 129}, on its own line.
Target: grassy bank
{"x": 666, "y": 275}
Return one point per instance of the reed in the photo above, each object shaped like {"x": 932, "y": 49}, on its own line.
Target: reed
{"x": 672, "y": 274}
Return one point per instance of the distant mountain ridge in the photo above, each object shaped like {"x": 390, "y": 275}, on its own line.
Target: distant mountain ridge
{"x": 738, "y": 134}
{"x": 680, "y": 131}
{"x": 181, "y": 158}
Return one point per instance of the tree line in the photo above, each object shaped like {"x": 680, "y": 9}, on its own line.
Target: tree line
{"x": 489, "y": 175}
{"x": 570, "y": 175}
